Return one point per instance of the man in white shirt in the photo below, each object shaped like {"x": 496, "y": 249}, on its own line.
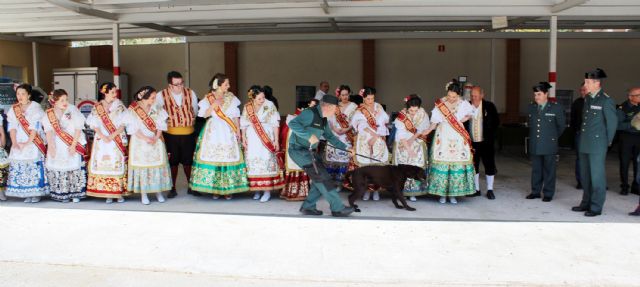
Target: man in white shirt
{"x": 323, "y": 90}
{"x": 181, "y": 104}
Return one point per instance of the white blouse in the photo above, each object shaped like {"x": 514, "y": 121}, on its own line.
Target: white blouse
{"x": 33, "y": 114}
{"x": 464, "y": 109}
{"x": 360, "y": 124}
{"x": 420, "y": 122}
{"x": 70, "y": 121}
{"x": 232, "y": 111}
{"x": 134, "y": 123}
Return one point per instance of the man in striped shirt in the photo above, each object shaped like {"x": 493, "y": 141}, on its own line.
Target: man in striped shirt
{"x": 181, "y": 103}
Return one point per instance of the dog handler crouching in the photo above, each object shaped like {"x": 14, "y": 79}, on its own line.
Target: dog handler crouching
{"x": 306, "y": 130}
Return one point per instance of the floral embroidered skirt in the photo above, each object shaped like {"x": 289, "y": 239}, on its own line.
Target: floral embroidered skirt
{"x": 27, "y": 179}
{"x": 107, "y": 186}
{"x": 296, "y": 187}
{"x": 451, "y": 179}
{"x": 67, "y": 185}
{"x": 149, "y": 179}
{"x": 219, "y": 179}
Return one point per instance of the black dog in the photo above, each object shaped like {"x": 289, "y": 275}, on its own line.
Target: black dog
{"x": 391, "y": 177}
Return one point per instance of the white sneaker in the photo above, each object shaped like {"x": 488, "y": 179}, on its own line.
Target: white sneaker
{"x": 76, "y": 200}
{"x": 366, "y": 196}
{"x": 453, "y": 200}
{"x": 413, "y": 198}
{"x": 256, "y": 195}
{"x": 443, "y": 199}
{"x": 109, "y": 200}
{"x": 145, "y": 199}
{"x": 160, "y": 197}
{"x": 2, "y": 196}
{"x": 266, "y": 196}
{"x": 120, "y": 199}
{"x": 35, "y": 199}
{"x": 27, "y": 200}
{"x": 215, "y": 196}
{"x": 376, "y": 196}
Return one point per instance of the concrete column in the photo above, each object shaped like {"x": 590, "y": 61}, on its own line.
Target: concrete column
{"x": 116, "y": 56}
{"x": 36, "y": 71}
{"x": 553, "y": 48}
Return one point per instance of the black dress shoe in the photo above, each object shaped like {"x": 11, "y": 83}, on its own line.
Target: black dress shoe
{"x": 310, "y": 211}
{"x": 590, "y": 213}
{"x": 624, "y": 192}
{"x": 547, "y": 198}
{"x": 532, "y": 196}
{"x": 193, "y": 192}
{"x": 635, "y": 212}
{"x": 578, "y": 186}
{"x": 635, "y": 191}
{"x": 579, "y": 209}
{"x": 478, "y": 193}
{"x": 343, "y": 213}
{"x": 490, "y": 194}
{"x": 172, "y": 193}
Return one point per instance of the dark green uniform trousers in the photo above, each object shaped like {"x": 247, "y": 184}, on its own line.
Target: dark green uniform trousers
{"x": 543, "y": 174}
{"x": 594, "y": 180}
{"x": 321, "y": 182}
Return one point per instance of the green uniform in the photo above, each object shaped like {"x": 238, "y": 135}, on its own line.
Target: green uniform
{"x": 599, "y": 124}
{"x": 310, "y": 122}
{"x": 546, "y": 124}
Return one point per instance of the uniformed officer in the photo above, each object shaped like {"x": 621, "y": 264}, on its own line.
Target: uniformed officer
{"x": 629, "y": 141}
{"x": 599, "y": 124}
{"x": 635, "y": 123}
{"x": 546, "y": 124}
{"x": 307, "y": 128}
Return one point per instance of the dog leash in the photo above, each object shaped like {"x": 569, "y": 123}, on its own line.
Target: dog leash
{"x": 356, "y": 154}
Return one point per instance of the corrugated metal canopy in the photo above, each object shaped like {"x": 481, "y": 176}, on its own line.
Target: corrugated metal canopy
{"x": 93, "y": 19}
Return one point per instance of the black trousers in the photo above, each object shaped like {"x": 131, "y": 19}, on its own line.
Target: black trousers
{"x": 543, "y": 174}
{"x": 485, "y": 152}
{"x": 180, "y": 148}
{"x": 629, "y": 148}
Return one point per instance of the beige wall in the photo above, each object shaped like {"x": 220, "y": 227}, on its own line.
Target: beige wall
{"x": 404, "y": 67}
{"x": 80, "y": 57}
{"x": 149, "y": 64}
{"x": 206, "y": 60}
{"x": 19, "y": 54}
{"x": 51, "y": 57}
{"x": 283, "y": 65}
{"x": 620, "y": 58}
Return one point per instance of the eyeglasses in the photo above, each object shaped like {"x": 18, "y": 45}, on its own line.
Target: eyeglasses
{"x": 178, "y": 85}
{"x": 634, "y": 95}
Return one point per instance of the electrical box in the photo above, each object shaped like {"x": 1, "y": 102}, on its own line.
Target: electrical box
{"x": 82, "y": 84}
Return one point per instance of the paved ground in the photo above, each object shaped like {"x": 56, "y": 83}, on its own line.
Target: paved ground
{"x": 512, "y": 184}
{"x": 191, "y": 241}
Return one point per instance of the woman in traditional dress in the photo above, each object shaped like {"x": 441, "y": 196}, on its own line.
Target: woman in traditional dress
{"x": 65, "y": 166}
{"x": 4, "y": 161}
{"x": 338, "y": 160}
{"x": 107, "y": 166}
{"x": 27, "y": 177}
{"x": 451, "y": 173}
{"x": 370, "y": 123}
{"x": 148, "y": 165}
{"x": 219, "y": 166}
{"x": 259, "y": 124}
{"x": 296, "y": 186}
{"x": 410, "y": 145}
